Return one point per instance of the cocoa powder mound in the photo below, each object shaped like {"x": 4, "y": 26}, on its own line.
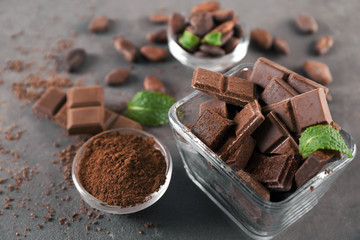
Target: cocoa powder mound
{"x": 122, "y": 170}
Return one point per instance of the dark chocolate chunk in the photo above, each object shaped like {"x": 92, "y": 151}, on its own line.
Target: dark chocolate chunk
{"x": 211, "y": 128}
{"x": 126, "y": 48}
{"x": 85, "y": 96}
{"x": 75, "y": 59}
{"x": 87, "y": 120}
{"x": 276, "y": 91}
{"x": 276, "y": 172}
{"x": 284, "y": 112}
{"x": 216, "y": 106}
{"x": 302, "y": 84}
{"x": 230, "y": 89}
{"x": 312, "y": 165}
{"x": 272, "y": 137}
{"x": 254, "y": 184}
{"x": 241, "y": 156}
{"x": 50, "y": 103}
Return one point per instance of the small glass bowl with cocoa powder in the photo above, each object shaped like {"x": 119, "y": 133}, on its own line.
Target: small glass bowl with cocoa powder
{"x": 122, "y": 171}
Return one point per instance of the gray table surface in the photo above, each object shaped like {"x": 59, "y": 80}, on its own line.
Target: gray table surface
{"x": 184, "y": 212}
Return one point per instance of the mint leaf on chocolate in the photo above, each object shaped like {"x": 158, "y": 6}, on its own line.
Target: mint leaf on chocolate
{"x": 189, "y": 40}
{"x": 213, "y": 38}
{"x": 149, "y": 108}
{"x": 321, "y": 137}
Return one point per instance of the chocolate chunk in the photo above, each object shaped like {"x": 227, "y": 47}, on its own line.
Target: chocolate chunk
{"x": 87, "y": 120}
{"x": 264, "y": 70}
{"x": 211, "y": 128}
{"x": 276, "y": 91}
{"x": 117, "y": 76}
{"x": 261, "y": 38}
{"x": 239, "y": 31}
{"x": 61, "y": 116}
{"x": 254, "y": 184}
{"x": 212, "y": 50}
{"x": 152, "y": 83}
{"x": 231, "y": 45}
{"x": 99, "y": 24}
{"x": 50, "y": 103}
{"x": 223, "y": 15}
{"x": 225, "y": 27}
{"x": 109, "y": 118}
{"x": 154, "y": 53}
{"x": 126, "y": 48}
{"x": 273, "y": 138}
{"x": 159, "y": 18}
{"x": 281, "y": 46}
{"x": 312, "y": 165}
{"x": 230, "y": 89}
{"x": 319, "y": 113}
{"x": 177, "y": 23}
{"x": 318, "y": 71}
{"x": 302, "y": 84}
{"x": 208, "y": 6}
{"x": 159, "y": 36}
{"x": 239, "y": 159}
{"x": 247, "y": 120}
{"x": 124, "y": 122}
{"x": 202, "y": 23}
{"x": 284, "y": 112}
{"x": 215, "y": 106}
{"x": 276, "y": 172}
{"x": 75, "y": 59}
{"x": 323, "y": 45}
{"x": 306, "y": 23}
{"x": 85, "y": 96}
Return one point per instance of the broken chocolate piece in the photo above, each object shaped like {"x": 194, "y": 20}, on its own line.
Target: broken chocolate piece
{"x": 87, "y": 120}
{"x": 241, "y": 156}
{"x": 254, "y": 184}
{"x": 276, "y": 91}
{"x": 216, "y": 106}
{"x": 85, "y": 96}
{"x": 50, "y": 103}
{"x": 124, "y": 122}
{"x": 302, "y": 84}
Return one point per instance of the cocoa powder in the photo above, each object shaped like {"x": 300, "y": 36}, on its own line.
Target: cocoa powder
{"x": 122, "y": 170}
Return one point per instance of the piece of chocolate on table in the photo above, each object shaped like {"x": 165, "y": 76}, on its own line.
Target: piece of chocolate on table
{"x": 230, "y": 89}
{"x": 275, "y": 172}
{"x": 211, "y": 129}
{"x": 50, "y": 103}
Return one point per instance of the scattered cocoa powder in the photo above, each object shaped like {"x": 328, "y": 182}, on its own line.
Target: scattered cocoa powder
{"x": 122, "y": 170}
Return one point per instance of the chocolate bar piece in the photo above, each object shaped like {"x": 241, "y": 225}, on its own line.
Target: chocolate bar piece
{"x": 124, "y": 122}
{"x": 87, "y": 120}
{"x": 276, "y": 172}
{"x": 254, "y": 184}
{"x": 85, "y": 113}
{"x": 61, "y": 116}
{"x": 50, "y": 103}
{"x": 215, "y": 105}
{"x": 230, "y": 89}
{"x": 241, "y": 156}
{"x": 284, "y": 112}
{"x": 302, "y": 84}
{"x": 312, "y": 165}
{"x": 276, "y": 91}
{"x": 211, "y": 128}
{"x": 273, "y": 138}
{"x": 247, "y": 120}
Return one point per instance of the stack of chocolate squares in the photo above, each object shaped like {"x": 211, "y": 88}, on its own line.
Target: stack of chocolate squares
{"x": 81, "y": 110}
{"x": 254, "y": 124}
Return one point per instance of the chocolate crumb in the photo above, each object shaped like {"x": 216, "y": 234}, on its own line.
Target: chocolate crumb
{"x": 17, "y": 233}
{"x": 15, "y": 215}
{"x": 27, "y": 229}
{"x": 39, "y": 226}
{"x": 7, "y": 206}
{"x": 87, "y": 228}
{"x": 139, "y": 231}
{"x": 312, "y": 188}
{"x": 98, "y": 229}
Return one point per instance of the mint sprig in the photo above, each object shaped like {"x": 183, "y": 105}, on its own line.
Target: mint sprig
{"x": 321, "y": 137}
{"x": 189, "y": 40}
{"x": 149, "y": 108}
{"x": 213, "y": 38}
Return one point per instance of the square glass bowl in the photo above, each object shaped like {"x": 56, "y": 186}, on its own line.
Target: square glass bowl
{"x": 259, "y": 218}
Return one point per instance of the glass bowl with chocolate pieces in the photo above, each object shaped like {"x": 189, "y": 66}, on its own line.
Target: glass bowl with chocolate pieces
{"x": 209, "y": 39}
{"x": 253, "y": 141}
{"x": 122, "y": 171}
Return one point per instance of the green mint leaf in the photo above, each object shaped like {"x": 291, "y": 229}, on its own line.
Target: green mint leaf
{"x": 189, "y": 40}
{"x": 321, "y": 137}
{"x": 213, "y": 38}
{"x": 149, "y": 108}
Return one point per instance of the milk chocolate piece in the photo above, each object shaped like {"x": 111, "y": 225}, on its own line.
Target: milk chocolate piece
{"x": 85, "y": 96}
{"x": 61, "y": 116}
{"x": 254, "y": 184}
{"x": 302, "y": 84}
{"x": 264, "y": 70}
{"x": 109, "y": 118}
{"x": 87, "y": 120}
{"x": 216, "y": 106}
{"x": 310, "y": 109}
{"x": 276, "y": 172}
{"x": 241, "y": 156}
{"x": 272, "y": 137}
{"x": 312, "y": 165}
{"x": 229, "y": 89}
{"x": 247, "y": 120}
{"x": 211, "y": 128}
{"x": 124, "y": 122}
{"x": 50, "y": 103}
{"x": 276, "y": 91}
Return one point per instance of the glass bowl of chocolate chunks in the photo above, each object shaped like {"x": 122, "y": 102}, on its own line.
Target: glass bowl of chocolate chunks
{"x": 241, "y": 139}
